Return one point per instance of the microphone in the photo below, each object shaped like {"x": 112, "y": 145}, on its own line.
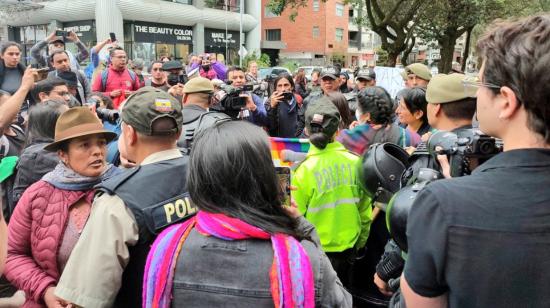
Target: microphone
{"x": 289, "y": 156}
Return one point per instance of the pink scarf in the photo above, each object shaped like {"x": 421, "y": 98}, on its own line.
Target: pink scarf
{"x": 291, "y": 276}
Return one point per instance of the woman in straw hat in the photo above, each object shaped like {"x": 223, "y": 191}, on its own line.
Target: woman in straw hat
{"x": 51, "y": 213}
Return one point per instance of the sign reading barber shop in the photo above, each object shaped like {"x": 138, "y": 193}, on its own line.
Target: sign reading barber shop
{"x": 145, "y": 32}
{"x": 217, "y": 37}
{"x": 85, "y": 30}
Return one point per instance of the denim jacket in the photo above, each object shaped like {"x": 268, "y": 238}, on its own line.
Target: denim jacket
{"x": 212, "y": 272}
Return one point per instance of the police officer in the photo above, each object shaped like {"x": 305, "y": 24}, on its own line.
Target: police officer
{"x": 131, "y": 208}
{"x": 365, "y": 78}
{"x": 328, "y": 192}
{"x": 417, "y": 75}
{"x": 197, "y": 96}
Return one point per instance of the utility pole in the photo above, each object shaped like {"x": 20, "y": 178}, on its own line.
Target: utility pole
{"x": 241, "y": 34}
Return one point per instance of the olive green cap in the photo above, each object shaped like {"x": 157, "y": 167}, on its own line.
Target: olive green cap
{"x": 198, "y": 84}
{"x": 149, "y": 104}
{"x": 445, "y": 88}
{"x": 420, "y": 70}
{"x": 323, "y": 112}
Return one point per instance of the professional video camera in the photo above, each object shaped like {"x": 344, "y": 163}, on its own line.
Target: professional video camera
{"x": 103, "y": 113}
{"x": 466, "y": 149}
{"x": 230, "y": 100}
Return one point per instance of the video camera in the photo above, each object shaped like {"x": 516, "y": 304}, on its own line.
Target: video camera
{"x": 466, "y": 149}
{"x": 231, "y": 99}
{"x": 103, "y": 113}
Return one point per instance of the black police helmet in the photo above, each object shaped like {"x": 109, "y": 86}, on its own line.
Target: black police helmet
{"x": 381, "y": 171}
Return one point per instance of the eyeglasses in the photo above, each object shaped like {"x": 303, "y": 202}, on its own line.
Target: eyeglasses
{"x": 472, "y": 84}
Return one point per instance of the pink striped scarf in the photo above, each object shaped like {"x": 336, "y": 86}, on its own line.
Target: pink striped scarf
{"x": 291, "y": 276}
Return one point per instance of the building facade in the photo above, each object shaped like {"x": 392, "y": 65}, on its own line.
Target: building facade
{"x": 150, "y": 29}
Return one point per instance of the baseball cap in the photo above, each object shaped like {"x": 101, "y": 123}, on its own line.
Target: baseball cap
{"x": 420, "y": 70}
{"x": 445, "y": 88}
{"x": 172, "y": 65}
{"x": 331, "y": 71}
{"x": 322, "y": 113}
{"x": 149, "y": 104}
{"x": 198, "y": 84}
{"x": 367, "y": 74}
{"x": 58, "y": 40}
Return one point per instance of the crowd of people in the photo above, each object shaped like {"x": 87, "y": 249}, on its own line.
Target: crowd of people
{"x": 125, "y": 189}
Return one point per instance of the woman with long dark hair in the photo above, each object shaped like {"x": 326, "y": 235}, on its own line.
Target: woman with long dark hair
{"x": 283, "y": 108}
{"x": 375, "y": 123}
{"x": 34, "y": 161}
{"x": 242, "y": 248}
{"x": 11, "y": 68}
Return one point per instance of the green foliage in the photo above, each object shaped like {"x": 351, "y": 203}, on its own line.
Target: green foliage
{"x": 382, "y": 57}
{"x": 291, "y": 65}
{"x": 262, "y": 60}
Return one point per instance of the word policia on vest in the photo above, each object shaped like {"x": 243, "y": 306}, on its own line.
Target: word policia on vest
{"x": 332, "y": 177}
{"x": 180, "y": 208}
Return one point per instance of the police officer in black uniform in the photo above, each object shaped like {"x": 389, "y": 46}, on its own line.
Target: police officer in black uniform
{"x": 197, "y": 96}
{"x": 107, "y": 264}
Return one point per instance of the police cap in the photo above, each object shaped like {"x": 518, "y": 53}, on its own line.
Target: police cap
{"x": 198, "y": 84}
{"x": 447, "y": 89}
{"x": 420, "y": 70}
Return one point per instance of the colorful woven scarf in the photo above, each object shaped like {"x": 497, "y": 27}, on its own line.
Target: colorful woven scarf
{"x": 291, "y": 276}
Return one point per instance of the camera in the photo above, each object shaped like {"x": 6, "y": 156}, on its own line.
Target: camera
{"x": 232, "y": 101}
{"x": 287, "y": 96}
{"x": 103, "y": 113}
{"x": 61, "y": 33}
{"x": 174, "y": 79}
{"x": 467, "y": 149}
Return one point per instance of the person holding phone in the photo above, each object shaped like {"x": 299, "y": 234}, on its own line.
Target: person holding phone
{"x": 328, "y": 192}
{"x": 283, "y": 108}
{"x": 54, "y": 43}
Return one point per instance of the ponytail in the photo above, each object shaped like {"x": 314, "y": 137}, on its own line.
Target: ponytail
{"x": 320, "y": 140}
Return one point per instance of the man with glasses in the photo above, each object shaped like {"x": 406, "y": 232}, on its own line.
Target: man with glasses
{"x": 116, "y": 81}
{"x": 483, "y": 240}
{"x": 51, "y": 89}
{"x": 158, "y": 77}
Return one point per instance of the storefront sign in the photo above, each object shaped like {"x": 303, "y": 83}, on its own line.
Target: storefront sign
{"x": 217, "y": 37}
{"x": 85, "y": 30}
{"x": 163, "y": 33}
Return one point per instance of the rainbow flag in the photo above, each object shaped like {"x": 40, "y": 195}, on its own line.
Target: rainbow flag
{"x": 293, "y": 144}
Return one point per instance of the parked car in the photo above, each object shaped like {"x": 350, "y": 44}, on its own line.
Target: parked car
{"x": 272, "y": 71}
{"x": 309, "y": 69}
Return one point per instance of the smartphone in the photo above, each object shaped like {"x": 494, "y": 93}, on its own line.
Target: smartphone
{"x": 42, "y": 73}
{"x": 283, "y": 174}
{"x": 287, "y": 96}
{"x": 61, "y": 33}
{"x": 113, "y": 37}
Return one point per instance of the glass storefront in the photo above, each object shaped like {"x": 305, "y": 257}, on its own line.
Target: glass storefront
{"x": 153, "y": 41}
{"x": 222, "y": 42}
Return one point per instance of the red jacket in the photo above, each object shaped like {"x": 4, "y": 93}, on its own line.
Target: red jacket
{"x": 35, "y": 233}
{"x": 116, "y": 80}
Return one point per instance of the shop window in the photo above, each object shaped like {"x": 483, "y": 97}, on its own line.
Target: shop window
{"x": 339, "y": 9}
{"x": 145, "y": 51}
{"x": 273, "y": 35}
{"x": 316, "y": 5}
{"x": 182, "y": 51}
{"x": 316, "y": 32}
{"x": 181, "y": 1}
{"x": 339, "y": 34}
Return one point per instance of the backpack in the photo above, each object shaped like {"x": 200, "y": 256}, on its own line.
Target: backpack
{"x": 200, "y": 123}
{"x": 105, "y": 75}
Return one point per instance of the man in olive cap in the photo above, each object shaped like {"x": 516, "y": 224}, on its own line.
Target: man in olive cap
{"x": 197, "y": 96}
{"x": 132, "y": 208}
{"x": 418, "y": 75}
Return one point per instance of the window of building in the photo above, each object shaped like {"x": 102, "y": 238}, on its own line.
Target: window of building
{"x": 268, "y": 13}
{"x": 339, "y": 34}
{"x": 316, "y": 5}
{"x": 316, "y": 32}
{"x": 339, "y": 9}
{"x": 181, "y": 1}
{"x": 273, "y": 34}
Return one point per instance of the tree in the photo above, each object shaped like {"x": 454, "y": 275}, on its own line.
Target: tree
{"x": 394, "y": 21}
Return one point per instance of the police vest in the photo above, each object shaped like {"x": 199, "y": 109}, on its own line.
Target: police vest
{"x": 157, "y": 196}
